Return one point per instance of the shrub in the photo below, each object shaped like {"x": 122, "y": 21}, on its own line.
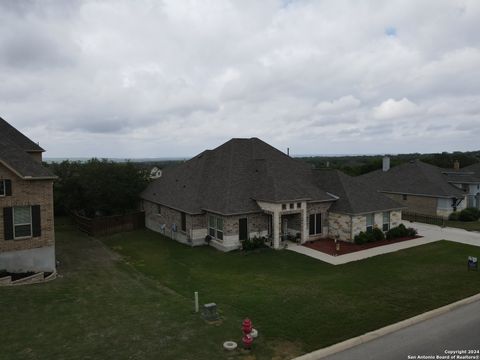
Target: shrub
{"x": 397, "y": 232}
{"x": 369, "y": 236}
{"x": 469, "y": 214}
{"x": 453, "y": 216}
{"x": 361, "y": 238}
{"x": 377, "y": 234}
{"x": 411, "y": 232}
{"x": 253, "y": 243}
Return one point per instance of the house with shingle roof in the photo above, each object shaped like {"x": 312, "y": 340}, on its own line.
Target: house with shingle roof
{"x": 27, "y": 240}
{"x": 423, "y": 188}
{"x": 246, "y": 188}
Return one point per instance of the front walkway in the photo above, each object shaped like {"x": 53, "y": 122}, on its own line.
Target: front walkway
{"x": 430, "y": 233}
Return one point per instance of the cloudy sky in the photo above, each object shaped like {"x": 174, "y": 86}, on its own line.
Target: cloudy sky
{"x": 168, "y": 78}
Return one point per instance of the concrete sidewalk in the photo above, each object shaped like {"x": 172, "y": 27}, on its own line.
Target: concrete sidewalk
{"x": 430, "y": 233}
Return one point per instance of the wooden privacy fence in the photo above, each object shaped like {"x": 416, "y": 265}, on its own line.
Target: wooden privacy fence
{"x": 107, "y": 225}
{"x": 427, "y": 219}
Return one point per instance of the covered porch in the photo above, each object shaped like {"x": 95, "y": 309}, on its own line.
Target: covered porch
{"x": 286, "y": 222}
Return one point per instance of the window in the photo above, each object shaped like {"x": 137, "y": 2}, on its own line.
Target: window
{"x": 183, "y": 222}
{"x": 386, "y": 221}
{"x": 5, "y": 188}
{"x": 284, "y": 206}
{"x": 215, "y": 227}
{"x": 369, "y": 218}
{"x": 315, "y": 224}
{"x": 404, "y": 196}
{"x": 292, "y": 206}
{"x": 299, "y": 205}
{"x": 159, "y": 209}
{"x": 22, "y": 222}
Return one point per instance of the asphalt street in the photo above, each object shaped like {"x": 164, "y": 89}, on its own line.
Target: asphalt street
{"x": 455, "y": 330}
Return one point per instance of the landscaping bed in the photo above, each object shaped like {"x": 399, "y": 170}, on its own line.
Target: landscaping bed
{"x": 327, "y": 245}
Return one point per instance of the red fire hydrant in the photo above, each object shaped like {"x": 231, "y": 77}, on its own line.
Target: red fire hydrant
{"x": 247, "y": 326}
{"x": 247, "y": 341}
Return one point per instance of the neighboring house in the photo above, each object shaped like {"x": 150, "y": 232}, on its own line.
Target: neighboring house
{"x": 246, "y": 188}
{"x": 421, "y": 187}
{"x": 155, "y": 173}
{"x": 469, "y": 179}
{"x": 27, "y": 241}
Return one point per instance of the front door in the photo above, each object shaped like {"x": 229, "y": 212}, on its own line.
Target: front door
{"x": 243, "y": 229}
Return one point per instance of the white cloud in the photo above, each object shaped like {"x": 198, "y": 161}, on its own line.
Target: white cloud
{"x": 392, "y": 109}
{"x": 151, "y": 78}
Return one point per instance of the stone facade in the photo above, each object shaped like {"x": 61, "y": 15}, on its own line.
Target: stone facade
{"x": 164, "y": 220}
{"x": 340, "y": 225}
{"x": 28, "y": 193}
{"x": 347, "y": 226}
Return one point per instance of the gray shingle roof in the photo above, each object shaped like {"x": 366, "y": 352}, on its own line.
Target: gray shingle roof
{"x": 231, "y": 177}
{"x": 414, "y": 177}
{"x": 15, "y": 157}
{"x": 17, "y": 137}
{"x": 355, "y": 195}
{"x": 474, "y": 168}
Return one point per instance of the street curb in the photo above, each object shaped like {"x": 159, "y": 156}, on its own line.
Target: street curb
{"x": 347, "y": 344}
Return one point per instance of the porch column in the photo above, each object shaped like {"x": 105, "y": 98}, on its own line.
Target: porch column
{"x": 304, "y": 226}
{"x": 276, "y": 229}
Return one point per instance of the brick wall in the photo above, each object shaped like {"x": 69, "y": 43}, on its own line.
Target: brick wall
{"x": 420, "y": 204}
{"x": 257, "y": 224}
{"x": 31, "y": 192}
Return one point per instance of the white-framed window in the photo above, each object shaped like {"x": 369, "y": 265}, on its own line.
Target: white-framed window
{"x": 386, "y": 221}
{"x": 2, "y": 188}
{"x": 369, "y": 218}
{"x": 315, "y": 224}
{"x": 215, "y": 227}
{"x": 22, "y": 222}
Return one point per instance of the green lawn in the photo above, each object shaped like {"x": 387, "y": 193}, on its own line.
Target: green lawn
{"x": 139, "y": 305}
{"x": 467, "y": 225}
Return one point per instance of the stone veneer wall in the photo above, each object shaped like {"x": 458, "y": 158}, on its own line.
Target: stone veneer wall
{"x": 341, "y": 225}
{"x": 195, "y": 224}
{"x": 347, "y": 226}
{"x": 24, "y": 193}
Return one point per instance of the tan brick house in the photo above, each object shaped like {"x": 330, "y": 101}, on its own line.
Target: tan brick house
{"x": 424, "y": 188}
{"x": 27, "y": 241}
{"x": 246, "y": 188}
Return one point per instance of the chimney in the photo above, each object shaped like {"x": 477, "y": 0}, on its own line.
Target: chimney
{"x": 386, "y": 163}
{"x": 456, "y": 165}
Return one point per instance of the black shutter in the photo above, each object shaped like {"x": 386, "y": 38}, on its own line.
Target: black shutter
{"x": 311, "y": 224}
{"x": 8, "y": 223}
{"x": 318, "y": 223}
{"x": 36, "y": 222}
{"x": 8, "y": 187}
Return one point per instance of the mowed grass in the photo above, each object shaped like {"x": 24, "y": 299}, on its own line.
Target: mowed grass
{"x": 297, "y": 299}
{"x": 136, "y": 301}
{"x": 467, "y": 225}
